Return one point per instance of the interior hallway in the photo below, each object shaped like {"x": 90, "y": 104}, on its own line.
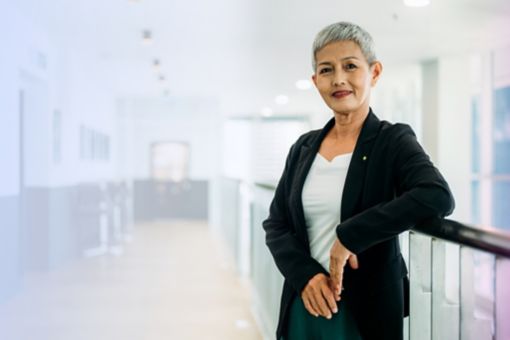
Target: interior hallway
{"x": 174, "y": 281}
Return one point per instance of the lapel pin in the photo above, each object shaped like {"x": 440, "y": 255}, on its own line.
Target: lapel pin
{"x": 364, "y": 158}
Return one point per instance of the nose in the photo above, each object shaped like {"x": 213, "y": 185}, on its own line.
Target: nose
{"x": 339, "y": 78}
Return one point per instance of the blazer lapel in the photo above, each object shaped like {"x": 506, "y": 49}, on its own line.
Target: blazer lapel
{"x": 357, "y": 168}
{"x": 355, "y": 174}
{"x": 307, "y": 153}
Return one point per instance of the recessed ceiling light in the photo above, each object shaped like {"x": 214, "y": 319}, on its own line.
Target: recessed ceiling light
{"x": 156, "y": 64}
{"x": 303, "y": 84}
{"x": 416, "y": 3}
{"x": 147, "y": 37}
{"x": 161, "y": 77}
{"x": 281, "y": 99}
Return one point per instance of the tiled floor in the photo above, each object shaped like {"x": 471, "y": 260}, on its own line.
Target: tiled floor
{"x": 172, "y": 282}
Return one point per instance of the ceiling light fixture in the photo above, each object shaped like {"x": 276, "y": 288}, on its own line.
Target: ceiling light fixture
{"x": 156, "y": 64}
{"x": 147, "y": 37}
{"x": 416, "y": 3}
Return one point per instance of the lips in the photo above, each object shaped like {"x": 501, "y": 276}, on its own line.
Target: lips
{"x": 341, "y": 94}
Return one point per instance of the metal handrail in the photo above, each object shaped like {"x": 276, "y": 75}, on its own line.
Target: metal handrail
{"x": 486, "y": 239}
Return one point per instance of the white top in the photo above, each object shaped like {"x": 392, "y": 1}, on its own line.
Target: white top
{"x": 322, "y": 200}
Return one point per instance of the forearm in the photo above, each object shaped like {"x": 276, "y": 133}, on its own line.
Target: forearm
{"x": 386, "y": 220}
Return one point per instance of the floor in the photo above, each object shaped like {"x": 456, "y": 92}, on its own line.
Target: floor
{"x": 173, "y": 281}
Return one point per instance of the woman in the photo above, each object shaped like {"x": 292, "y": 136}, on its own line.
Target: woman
{"x": 346, "y": 193}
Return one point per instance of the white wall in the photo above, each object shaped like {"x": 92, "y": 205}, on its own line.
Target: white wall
{"x": 256, "y": 149}
{"x": 145, "y": 121}
{"x": 397, "y": 95}
{"x": 454, "y": 131}
{"x": 446, "y": 123}
{"x": 55, "y": 76}
{"x": 85, "y": 98}
{"x": 9, "y": 127}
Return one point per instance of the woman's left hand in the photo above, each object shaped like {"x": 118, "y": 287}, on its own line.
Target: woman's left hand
{"x": 339, "y": 256}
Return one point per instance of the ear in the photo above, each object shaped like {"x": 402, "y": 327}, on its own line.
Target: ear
{"x": 376, "y": 69}
{"x": 314, "y": 79}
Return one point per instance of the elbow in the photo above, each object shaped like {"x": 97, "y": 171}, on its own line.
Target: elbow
{"x": 272, "y": 232}
{"x": 445, "y": 202}
{"x": 436, "y": 201}
{"x": 266, "y": 225}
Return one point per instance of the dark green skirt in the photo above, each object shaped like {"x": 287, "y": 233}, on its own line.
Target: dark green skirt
{"x": 304, "y": 326}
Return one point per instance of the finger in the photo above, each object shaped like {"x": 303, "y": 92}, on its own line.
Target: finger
{"x": 310, "y": 296}
{"x": 309, "y": 306}
{"x": 336, "y": 276}
{"x": 332, "y": 266}
{"x": 335, "y": 286}
{"x": 333, "y": 270}
{"x": 314, "y": 304}
{"x": 336, "y": 282}
{"x": 353, "y": 261}
{"x": 333, "y": 289}
{"x": 329, "y": 297}
{"x": 322, "y": 304}
{"x": 340, "y": 279}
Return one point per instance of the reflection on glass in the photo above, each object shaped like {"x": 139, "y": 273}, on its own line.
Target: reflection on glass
{"x": 477, "y": 295}
{"x": 501, "y": 204}
{"x": 475, "y": 202}
{"x": 475, "y": 134}
{"x": 501, "y": 135}
{"x": 501, "y": 162}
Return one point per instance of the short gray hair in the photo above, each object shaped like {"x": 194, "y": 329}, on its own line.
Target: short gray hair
{"x": 344, "y": 31}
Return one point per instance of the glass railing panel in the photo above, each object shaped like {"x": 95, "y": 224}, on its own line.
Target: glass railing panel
{"x": 230, "y": 215}
{"x": 477, "y": 295}
{"x": 445, "y": 290}
{"x": 502, "y": 298}
{"x": 404, "y": 247}
{"x": 420, "y": 277}
{"x": 267, "y": 280}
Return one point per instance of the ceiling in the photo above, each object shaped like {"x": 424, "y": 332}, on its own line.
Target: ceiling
{"x": 247, "y": 52}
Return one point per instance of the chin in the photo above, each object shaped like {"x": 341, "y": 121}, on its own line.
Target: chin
{"x": 342, "y": 110}
{"x": 346, "y": 108}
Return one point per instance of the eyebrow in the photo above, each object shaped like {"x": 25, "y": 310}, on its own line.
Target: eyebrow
{"x": 343, "y": 59}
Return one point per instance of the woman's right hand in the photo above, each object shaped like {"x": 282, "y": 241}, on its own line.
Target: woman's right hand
{"x": 318, "y": 296}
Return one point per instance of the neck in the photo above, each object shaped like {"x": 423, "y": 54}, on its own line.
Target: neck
{"x": 348, "y": 124}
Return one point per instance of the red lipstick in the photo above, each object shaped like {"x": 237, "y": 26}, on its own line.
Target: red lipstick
{"x": 341, "y": 94}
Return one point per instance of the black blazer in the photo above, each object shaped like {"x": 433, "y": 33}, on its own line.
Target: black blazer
{"x": 391, "y": 184}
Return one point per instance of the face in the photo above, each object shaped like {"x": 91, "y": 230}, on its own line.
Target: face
{"x": 344, "y": 78}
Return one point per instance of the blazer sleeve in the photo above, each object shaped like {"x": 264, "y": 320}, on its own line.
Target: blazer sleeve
{"x": 291, "y": 255}
{"x": 421, "y": 193}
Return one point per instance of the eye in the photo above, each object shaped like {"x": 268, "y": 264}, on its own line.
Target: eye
{"x": 324, "y": 70}
{"x": 351, "y": 66}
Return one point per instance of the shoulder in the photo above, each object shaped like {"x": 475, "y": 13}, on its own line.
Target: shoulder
{"x": 306, "y": 139}
{"x": 399, "y": 142}
{"x": 393, "y": 132}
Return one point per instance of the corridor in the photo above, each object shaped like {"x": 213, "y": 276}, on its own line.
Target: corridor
{"x": 173, "y": 281}
{"x": 141, "y": 143}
